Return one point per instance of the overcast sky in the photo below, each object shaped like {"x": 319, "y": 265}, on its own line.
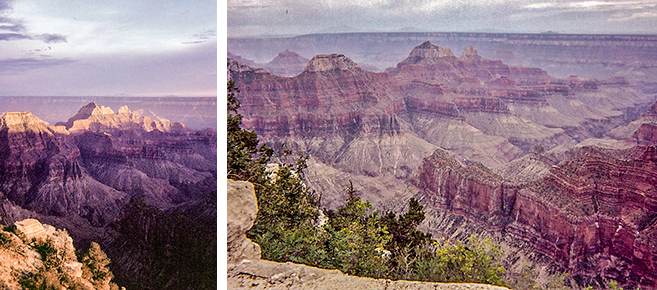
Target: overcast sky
{"x": 294, "y": 17}
{"x": 108, "y": 47}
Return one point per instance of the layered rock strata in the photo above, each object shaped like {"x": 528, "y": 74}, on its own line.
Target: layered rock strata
{"x": 593, "y": 214}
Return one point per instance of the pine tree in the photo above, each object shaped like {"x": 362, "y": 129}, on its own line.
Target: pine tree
{"x": 95, "y": 268}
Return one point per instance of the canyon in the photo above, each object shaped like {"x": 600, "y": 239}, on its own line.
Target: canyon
{"x": 560, "y": 170}
{"x": 119, "y": 179}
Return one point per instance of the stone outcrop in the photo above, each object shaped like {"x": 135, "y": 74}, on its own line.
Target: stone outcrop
{"x": 41, "y": 171}
{"x": 94, "y": 117}
{"x": 639, "y": 130}
{"x": 16, "y": 122}
{"x": 647, "y": 134}
{"x": 242, "y": 209}
{"x": 21, "y": 260}
{"x": 247, "y": 271}
{"x": 335, "y": 100}
{"x": 287, "y": 63}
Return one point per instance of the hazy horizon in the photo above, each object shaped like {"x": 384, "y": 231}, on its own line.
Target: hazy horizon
{"x": 258, "y": 18}
{"x": 195, "y": 112}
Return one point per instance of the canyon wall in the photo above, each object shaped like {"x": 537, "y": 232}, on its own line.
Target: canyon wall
{"x": 592, "y": 215}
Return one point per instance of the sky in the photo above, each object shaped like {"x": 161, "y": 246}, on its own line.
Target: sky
{"x": 295, "y": 17}
{"x": 108, "y": 48}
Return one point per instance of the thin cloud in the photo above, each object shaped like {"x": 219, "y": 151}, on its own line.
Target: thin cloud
{"x": 14, "y": 29}
{"x": 202, "y": 37}
{"x": 5, "y": 4}
{"x": 635, "y": 16}
{"x": 13, "y": 36}
{"x": 593, "y": 5}
{"x": 52, "y": 38}
{"x": 15, "y": 65}
{"x": 9, "y": 24}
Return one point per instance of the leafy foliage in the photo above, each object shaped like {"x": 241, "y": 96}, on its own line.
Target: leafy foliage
{"x": 356, "y": 239}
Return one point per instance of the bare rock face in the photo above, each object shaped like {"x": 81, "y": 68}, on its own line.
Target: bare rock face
{"x": 16, "y": 122}
{"x": 328, "y": 63}
{"x": 84, "y": 181}
{"x": 271, "y": 275}
{"x": 472, "y": 191}
{"x": 94, "y": 117}
{"x": 287, "y": 63}
{"x": 247, "y": 271}
{"x": 242, "y": 209}
{"x": 483, "y": 110}
{"x": 41, "y": 171}
{"x": 22, "y": 261}
{"x": 640, "y": 129}
{"x": 592, "y": 215}
{"x": 647, "y": 134}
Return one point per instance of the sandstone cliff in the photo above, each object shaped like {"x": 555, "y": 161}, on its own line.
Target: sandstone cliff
{"x": 592, "y": 215}
{"x": 94, "y": 117}
{"x": 377, "y": 128}
{"x": 247, "y": 271}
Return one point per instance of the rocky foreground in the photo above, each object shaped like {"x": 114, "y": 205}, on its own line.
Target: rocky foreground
{"x": 38, "y": 256}
{"x": 247, "y": 270}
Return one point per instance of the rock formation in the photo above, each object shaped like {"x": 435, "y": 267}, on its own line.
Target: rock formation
{"x": 38, "y": 255}
{"x": 640, "y": 129}
{"x": 599, "y": 56}
{"x": 592, "y": 215}
{"x": 41, "y": 171}
{"x": 287, "y": 63}
{"x": 483, "y": 110}
{"x": 93, "y": 117}
{"x": 242, "y": 210}
{"x": 247, "y": 271}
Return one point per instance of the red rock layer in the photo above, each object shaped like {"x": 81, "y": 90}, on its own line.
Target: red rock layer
{"x": 469, "y": 190}
{"x": 489, "y": 105}
{"x": 333, "y": 95}
{"x": 594, "y": 215}
{"x": 647, "y": 134}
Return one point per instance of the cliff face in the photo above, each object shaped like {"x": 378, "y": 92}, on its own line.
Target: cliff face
{"x": 41, "y": 171}
{"x": 483, "y": 110}
{"x": 93, "y": 117}
{"x": 593, "y": 215}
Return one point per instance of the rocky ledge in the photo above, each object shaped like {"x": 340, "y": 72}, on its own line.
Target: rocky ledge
{"x": 38, "y": 256}
{"x": 247, "y": 270}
